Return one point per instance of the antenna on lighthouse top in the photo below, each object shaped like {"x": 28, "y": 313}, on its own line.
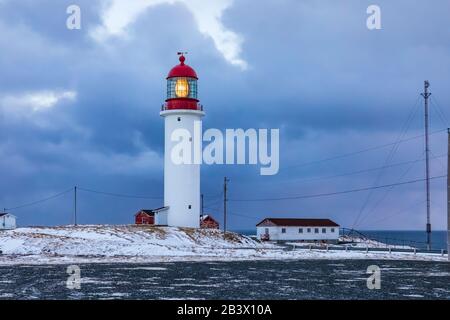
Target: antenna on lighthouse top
{"x": 182, "y": 58}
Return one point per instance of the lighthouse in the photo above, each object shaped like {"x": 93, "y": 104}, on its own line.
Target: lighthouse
{"x": 182, "y": 113}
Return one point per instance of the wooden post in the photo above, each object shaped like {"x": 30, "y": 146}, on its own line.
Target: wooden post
{"x": 202, "y": 212}
{"x": 75, "y": 206}
{"x": 225, "y": 199}
{"x": 448, "y": 196}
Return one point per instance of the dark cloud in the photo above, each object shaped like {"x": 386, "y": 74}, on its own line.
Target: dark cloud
{"x": 315, "y": 72}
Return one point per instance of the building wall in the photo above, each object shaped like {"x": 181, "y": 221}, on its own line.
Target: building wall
{"x": 7, "y": 222}
{"x": 292, "y": 233}
{"x": 182, "y": 181}
{"x": 161, "y": 218}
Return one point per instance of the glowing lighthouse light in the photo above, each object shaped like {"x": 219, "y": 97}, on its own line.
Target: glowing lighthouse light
{"x": 182, "y": 181}
{"x": 182, "y": 88}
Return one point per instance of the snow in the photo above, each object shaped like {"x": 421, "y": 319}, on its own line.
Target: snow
{"x": 351, "y": 242}
{"x": 144, "y": 244}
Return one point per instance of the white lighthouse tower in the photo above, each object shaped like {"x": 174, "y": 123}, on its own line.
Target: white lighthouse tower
{"x": 182, "y": 181}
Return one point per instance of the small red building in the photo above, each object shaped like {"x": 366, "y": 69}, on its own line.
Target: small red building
{"x": 145, "y": 217}
{"x": 208, "y": 222}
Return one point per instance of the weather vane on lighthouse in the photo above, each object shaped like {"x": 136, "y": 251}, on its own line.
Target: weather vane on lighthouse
{"x": 182, "y": 112}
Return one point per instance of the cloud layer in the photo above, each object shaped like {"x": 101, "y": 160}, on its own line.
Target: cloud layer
{"x": 35, "y": 101}
{"x": 81, "y": 107}
{"x": 118, "y": 15}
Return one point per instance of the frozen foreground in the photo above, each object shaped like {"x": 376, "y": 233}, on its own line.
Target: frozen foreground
{"x": 146, "y": 244}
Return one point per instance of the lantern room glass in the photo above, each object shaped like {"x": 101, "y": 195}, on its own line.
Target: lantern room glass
{"x": 182, "y": 87}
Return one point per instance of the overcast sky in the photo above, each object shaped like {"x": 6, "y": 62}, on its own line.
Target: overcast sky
{"x": 81, "y": 107}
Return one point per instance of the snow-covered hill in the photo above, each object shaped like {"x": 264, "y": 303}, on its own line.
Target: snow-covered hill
{"x": 131, "y": 243}
{"x": 129, "y": 240}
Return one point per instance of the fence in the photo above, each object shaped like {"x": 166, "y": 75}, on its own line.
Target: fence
{"x": 384, "y": 242}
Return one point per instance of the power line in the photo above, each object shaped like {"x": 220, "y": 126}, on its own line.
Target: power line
{"x": 345, "y": 155}
{"x": 439, "y": 161}
{"x": 218, "y": 195}
{"x": 216, "y": 208}
{"x": 388, "y": 159}
{"x": 399, "y": 212}
{"x": 335, "y": 193}
{"x": 119, "y": 195}
{"x": 39, "y": 201}
{"x": 350, "y": 173}
{"x": 385, "y": 195}
{"x": 242, "y": 215}
{"x": 211, "y": 204}
{"x": 440, "y": 111}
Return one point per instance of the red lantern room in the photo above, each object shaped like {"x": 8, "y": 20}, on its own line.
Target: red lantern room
{"x": 182, "y": 87}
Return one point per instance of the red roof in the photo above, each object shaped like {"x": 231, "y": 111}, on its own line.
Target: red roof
{"x": 292, "y": 222}
{"x": 182, "y": 70}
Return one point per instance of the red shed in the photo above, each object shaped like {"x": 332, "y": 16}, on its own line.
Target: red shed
{"x": 208, "y": 222}
{"x": 145, "y": 217}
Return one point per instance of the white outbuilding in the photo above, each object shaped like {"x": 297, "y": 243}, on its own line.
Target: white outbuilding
{"x": 289, "y": 229}
{"x": 7, "y": 221}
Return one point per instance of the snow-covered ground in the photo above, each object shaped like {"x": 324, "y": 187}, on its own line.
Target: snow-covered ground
{"x": 145, "y": 244}
{"x": 353, "y": 242}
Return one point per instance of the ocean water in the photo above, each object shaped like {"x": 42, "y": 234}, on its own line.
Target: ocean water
{"x": 413, "y": 238}
{"x": 311, "y": 279}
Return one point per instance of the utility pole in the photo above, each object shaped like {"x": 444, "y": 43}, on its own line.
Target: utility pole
{"x": 225, "y": 199}
{"x": 426, "y": 95}
{"x": 201, "y": 205}
{"x": 75, "y": 205}
{"x": 448, "y": 196}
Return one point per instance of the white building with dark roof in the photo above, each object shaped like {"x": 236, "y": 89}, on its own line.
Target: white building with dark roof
{"x": 7, "y": 221}
{"x": 289, "y": 229}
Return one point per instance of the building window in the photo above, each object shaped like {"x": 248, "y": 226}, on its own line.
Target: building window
{"x": 324, "y": 230}
{"x": 283, "y": 230}
{"x": 316, "y": 230}
{"x": 309, "y": 230}
{"x": 266, "y": 231}
{"x": 179, "y": 119}
{"x": 332, "y": 230}
{"x": 189, "y": 207}
{"x": 300, "y": 230}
